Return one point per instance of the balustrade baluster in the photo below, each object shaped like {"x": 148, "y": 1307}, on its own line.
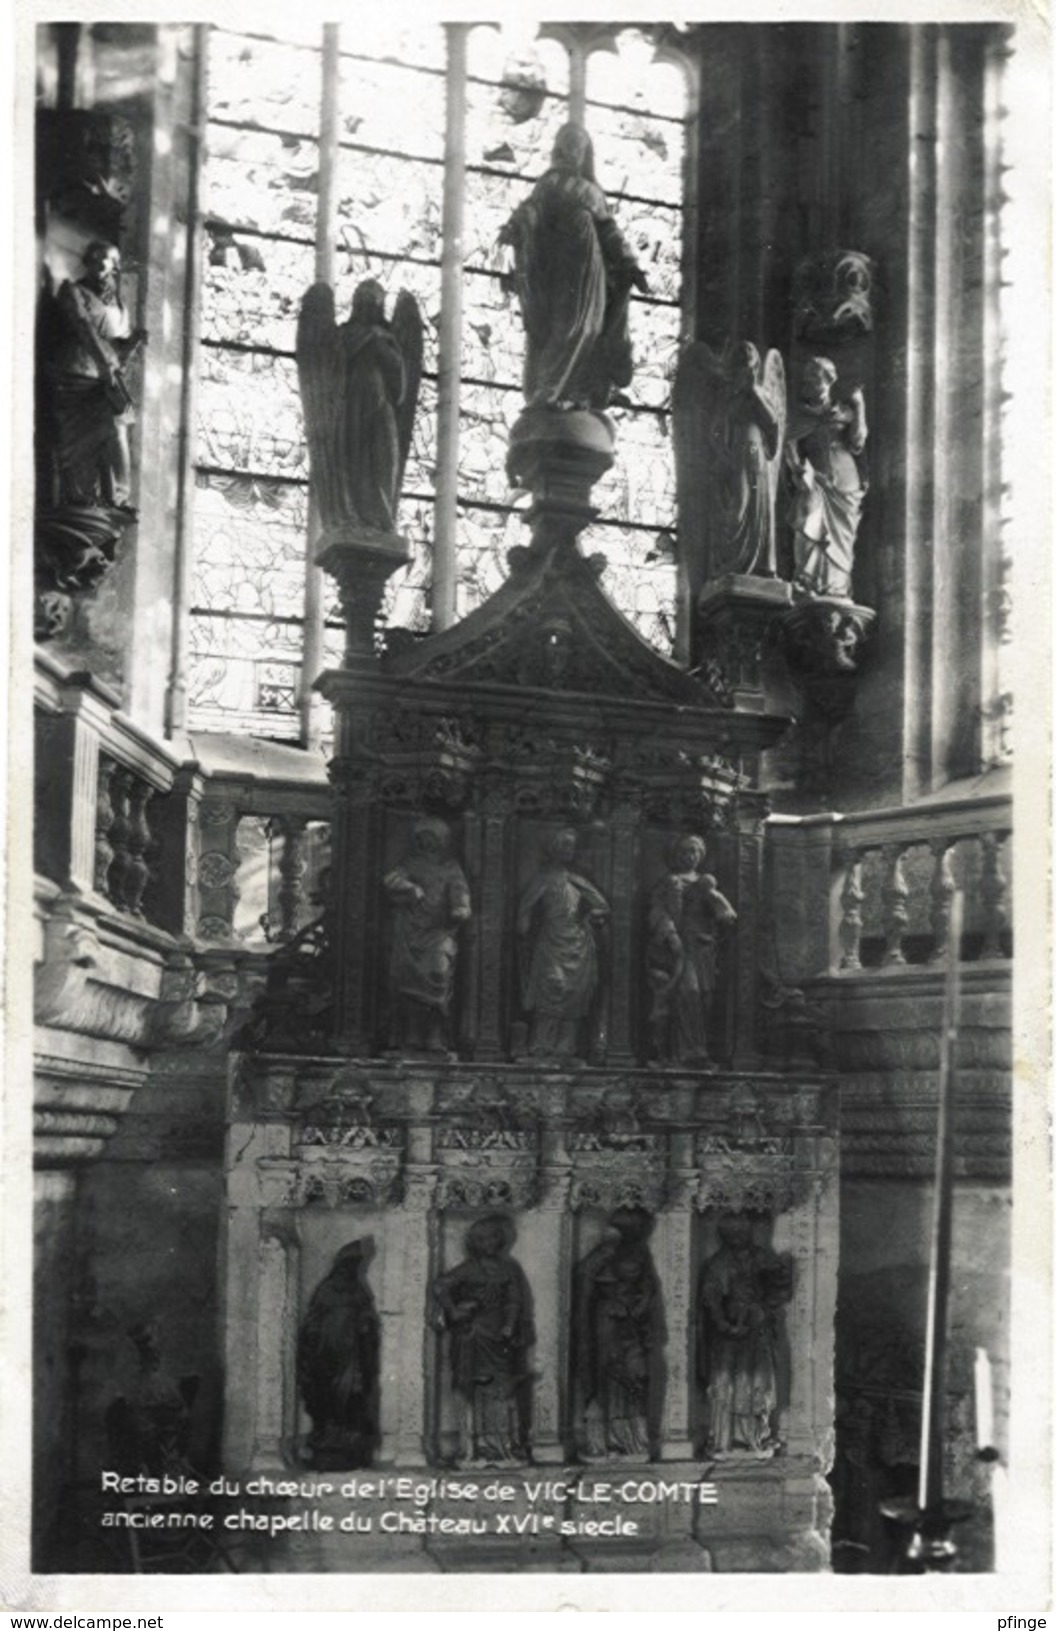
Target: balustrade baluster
{"x": 851, "y": 897}
{"x": 104, "y": 818}
{"x": 993, "y": 892}
{"x": 895, "y": 896}
{"x": 137, "y": 872}
{"x": 943, "y": 885}
{"x": 293, "y": 864}
{"x": 120, "y": 831}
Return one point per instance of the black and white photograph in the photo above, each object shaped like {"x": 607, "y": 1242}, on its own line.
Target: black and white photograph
{"x": 534, "y": 526}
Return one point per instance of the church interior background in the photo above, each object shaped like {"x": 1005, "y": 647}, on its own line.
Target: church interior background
{"x": 500, "y": 805}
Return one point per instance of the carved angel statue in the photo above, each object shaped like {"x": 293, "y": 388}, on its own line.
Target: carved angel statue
{"x": 359, "y": 386}
{"x": 729, "y": 414}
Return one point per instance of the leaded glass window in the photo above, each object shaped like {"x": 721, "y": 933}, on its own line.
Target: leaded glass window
{"x": 260, "y": 187}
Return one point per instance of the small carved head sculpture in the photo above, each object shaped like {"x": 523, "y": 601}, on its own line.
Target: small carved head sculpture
{"x": 573, "y": 151}
{"x": 523, "y": 87}
{"x": 686, "y": 852}
{"x": 819, "y": 376}
{"x": 489, "y": 1236}
{"x": 852, "y": 287}
{"x": 431, "y": 836}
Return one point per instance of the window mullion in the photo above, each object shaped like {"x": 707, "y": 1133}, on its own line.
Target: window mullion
{"x": 449, "y": 348}
{"x": 310, "y": 702}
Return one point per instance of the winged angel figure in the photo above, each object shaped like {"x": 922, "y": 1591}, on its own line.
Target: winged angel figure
{"x": 359, "y": 386}
{"x": 729, "y": 413}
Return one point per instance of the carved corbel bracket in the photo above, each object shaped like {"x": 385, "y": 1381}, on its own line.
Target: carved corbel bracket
{"x": 71, "y": 954}
{"x": 195, "y": 1000}
{"x": 822, "y": 639}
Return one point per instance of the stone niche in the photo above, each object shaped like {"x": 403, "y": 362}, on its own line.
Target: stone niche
{"x": 407, "y": 1159}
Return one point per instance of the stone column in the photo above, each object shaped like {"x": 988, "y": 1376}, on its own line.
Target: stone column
{"x": 175, "y": 882}
{"x": 407, "y": 1353}
{"x": 218, "y": 858}
{"x": 626, "y": 855}
{"x": 810, "y": 1231}
{"x": 354, "y": 876}
{"x": 747, "y": 934}
{"x": 551, "y": 1280}
{"x": 496, "y": 804}
{"x": 68, "y": 755}
{"x": 275, "y": 1335}
{"x": 260, "y": 1182}
{"x": 672, "y": 1243}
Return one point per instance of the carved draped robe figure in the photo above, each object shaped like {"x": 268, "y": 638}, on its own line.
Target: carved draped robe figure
{"x": 430, "y": 902}
{"x": 619, "y": 1334}
{"x": 826, "y": 439}
{"x": 686, "y": 911}
{"x": 573, "y": 274}
{"x": 91, "y": 406}
{"x": 485, "y": 1306}
{"x": 359, "y": 387}
{"x": 742, "y": 1289}
{"x": 557, "y": 918}
{"x": 338, "y": 1350}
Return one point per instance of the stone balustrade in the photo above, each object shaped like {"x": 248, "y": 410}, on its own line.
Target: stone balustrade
{"x": 263, "y": 849}
{"x": 889, "y": 877}
{"x": 100, "y": 780}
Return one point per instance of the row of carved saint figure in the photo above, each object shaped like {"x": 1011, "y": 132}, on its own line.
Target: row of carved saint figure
{"x": 482, "y": 1310}
{"x": 560, "y": 920}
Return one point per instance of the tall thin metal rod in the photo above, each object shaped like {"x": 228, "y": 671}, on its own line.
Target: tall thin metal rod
{"x": 325, "y": 230}
{"x": 929, "y": 1495}
{"x": 445, "y": 572}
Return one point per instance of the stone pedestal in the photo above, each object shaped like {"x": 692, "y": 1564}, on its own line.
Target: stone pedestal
{"x": 361, "y": 562}
{"x": 735, "y": 614}
{"x": 558, "y": 454}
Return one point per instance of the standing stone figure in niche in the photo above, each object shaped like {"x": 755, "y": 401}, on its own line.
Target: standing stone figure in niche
{"x": 686, "y": 912}
{"x": 728, "y": 414}
{"x": 558, "y": 918}
{"x": 826, "y": 439}
{"x": 430, "y": 903}
{"x": 485, "y": 1305}
{"x": 338, "y": 1351}
{"x": 619, "y": 1335}
{"x": 742, "y": 1290}
{"x": 91, "y": 405}
{"x": 359, "y": 386}
{"x": 573, "y": 274}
